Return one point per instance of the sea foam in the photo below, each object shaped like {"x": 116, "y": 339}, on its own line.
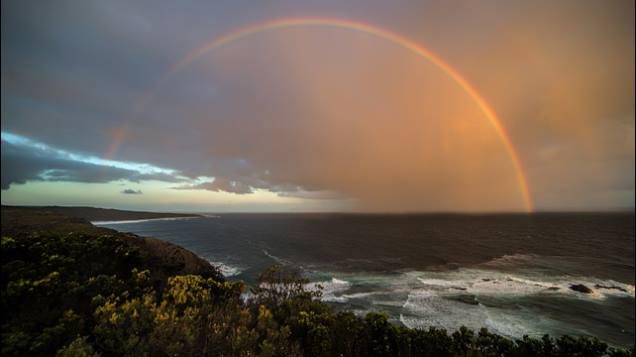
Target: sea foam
{"x": 469, "y": 297}
{"x": 226, "y": 269}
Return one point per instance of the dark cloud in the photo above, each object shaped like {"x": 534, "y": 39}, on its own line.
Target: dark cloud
{"x": 22, "y": 163}
{"x": 130, "y": 191}
{"x": 220, "y": 184}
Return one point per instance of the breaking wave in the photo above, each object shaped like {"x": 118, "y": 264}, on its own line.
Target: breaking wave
{"x": 489, "y": 283}
{"x": 226, "y": 269}
{"x": 132, "y": 221}
{"x": 330, "y": 288}
{"x": 511, "y": 259}
{"x": 276, "y": 259}
{"x": 475, "y": 298}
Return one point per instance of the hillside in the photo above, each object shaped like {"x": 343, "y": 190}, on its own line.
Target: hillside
{"x": 165, "y": 259}
{"x": 92, "y": 214}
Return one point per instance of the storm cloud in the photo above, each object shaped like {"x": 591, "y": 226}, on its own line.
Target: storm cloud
{"x": 324, "y": 113}
{"x": 20, "y": 165}
{"x": 28, "y": 161}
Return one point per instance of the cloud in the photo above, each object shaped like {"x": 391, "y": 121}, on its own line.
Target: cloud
{"x": 220, "y": 184}
{"x": 25, "y": 160}
{"x": 20, "y": 165}
{"x": 130, "y": 191}
{"x": 314, "y": 195}
{"x": 323, "y": 112}
{"x": 248, "y": 185}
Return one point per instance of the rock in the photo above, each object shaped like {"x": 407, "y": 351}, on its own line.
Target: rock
{"x": 466, "y": 299}
{"x": 581, "y": 288}
{"x": 598, "y": 286}
{"x": 554, "y": 288}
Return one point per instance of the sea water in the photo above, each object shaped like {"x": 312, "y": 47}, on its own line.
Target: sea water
{"x": 511, "y": 273}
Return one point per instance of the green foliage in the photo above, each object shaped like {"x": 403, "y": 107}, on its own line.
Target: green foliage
{"x": 93, "y": 295}
{"x": 49, "y": 281}
{"x": 78, "y": 348}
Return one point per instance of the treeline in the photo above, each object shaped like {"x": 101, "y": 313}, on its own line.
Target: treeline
{"x": 94, "y": 295}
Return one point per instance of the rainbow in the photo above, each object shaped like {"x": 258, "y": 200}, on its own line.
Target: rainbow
{"x": 393, "y": 37}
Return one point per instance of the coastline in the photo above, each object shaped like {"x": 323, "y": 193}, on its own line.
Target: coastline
{"x": 93, "y": 214}
{"x": 164, "y": 261}
{"x": 131, "y": 221}
{"x": 165, "y": 258}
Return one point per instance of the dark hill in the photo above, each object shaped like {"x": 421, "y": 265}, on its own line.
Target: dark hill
{"x": 162, "y": 258}
{"x": 93, "y": 213}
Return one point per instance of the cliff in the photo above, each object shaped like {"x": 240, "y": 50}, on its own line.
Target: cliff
{"x": 162, "y": 258}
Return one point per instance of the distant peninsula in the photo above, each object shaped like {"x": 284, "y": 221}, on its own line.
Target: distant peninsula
{"x": 92, "y": 214}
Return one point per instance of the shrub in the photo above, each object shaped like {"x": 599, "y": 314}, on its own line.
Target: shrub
{"x": 87, "y": 295}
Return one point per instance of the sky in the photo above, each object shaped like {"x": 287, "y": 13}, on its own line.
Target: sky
{"x": 301, "y": 106}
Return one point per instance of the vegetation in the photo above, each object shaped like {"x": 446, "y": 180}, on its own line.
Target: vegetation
{"x": 95, "y": 294}
{"x": 91, "y": 213}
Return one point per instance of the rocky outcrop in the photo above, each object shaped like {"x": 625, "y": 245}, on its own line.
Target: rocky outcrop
{"x": 581, "y": 288}
{"x": 466, "y": 299}
{"x": 168, "y": 259}
{"x": 610, "y": 287}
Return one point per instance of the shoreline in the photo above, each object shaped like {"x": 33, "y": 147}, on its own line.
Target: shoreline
{"x": 95, "y": 214}
{"x": 133, "y": 221}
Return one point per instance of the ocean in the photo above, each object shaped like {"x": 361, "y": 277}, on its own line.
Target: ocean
{"x": 511, "y": 273}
